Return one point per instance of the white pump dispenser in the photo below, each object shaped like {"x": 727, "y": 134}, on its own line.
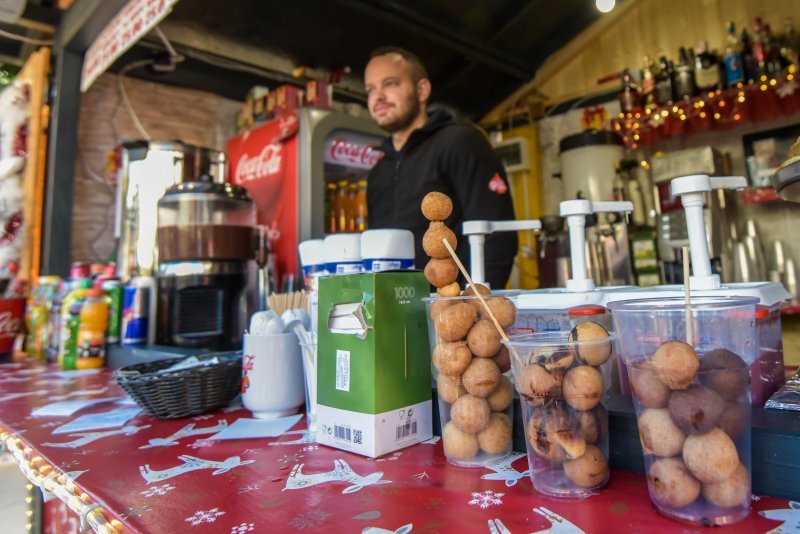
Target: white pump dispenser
{"x": 575, "y": 211}
{"x": 477, "y": 232}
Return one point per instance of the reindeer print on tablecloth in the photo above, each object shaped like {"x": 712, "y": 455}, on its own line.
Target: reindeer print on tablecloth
{"x": 191, "y": 463}
{"x": 790, "y": 517}
{"x": 342, "y": 472}
{"x": 88, "y": 437}
{"x": 405, "y": 529}
{"x": 503, "y": 470}
{"x": 188, "y": 430}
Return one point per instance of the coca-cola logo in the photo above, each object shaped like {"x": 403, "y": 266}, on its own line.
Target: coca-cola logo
{"x": 343, "y": 151}
{"x": 9, "y": 324}
{"x": 266, "y": 163}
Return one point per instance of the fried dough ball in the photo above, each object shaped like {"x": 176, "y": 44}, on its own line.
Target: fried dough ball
{"x": 459, "y": 445}
{"x": 658, "y": 433}
{"x": 470, "y": 414}
{"x": 502, "y": 397}
{"x": 539, "y": 385}
{"x": 437, "y": 306}
{"x": 452, "y": 290}
{"x": 484, "y": 339}
{"x": 502, "y": 359}
{"x": 542, "y": 446}
{"x": 436, "y": 206}
{"x": 481, "y": 377}
{"x": 583, "y": 387}
{"x": 432, "y": 241}
{"x": 588, "y": 471}
{"x": 482, "y": 290}
{"x": 646, "y": 387}
{"x": 503, "y": 310}
{"x": 452, "y": 358}
{"x": 454, "y": 321}
{"x": 733, "y": 491}
{"x": 562, "y": 429}
{"x": 696, "y": 409}
{"x": 711, "y": 457}
{"x": 496, "y": 437}
{"x": 441, "y": 272}
{"x": 725, "y": 372}
{"x": 675, "y": 363}
{"x": 671, "y": 483}
{"x": 449, "y": 388}
{"x": 595, "y": 351}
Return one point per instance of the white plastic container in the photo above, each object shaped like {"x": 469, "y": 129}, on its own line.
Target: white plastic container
{"x": 342, "y": 253}
{"x": 387, "y": 250}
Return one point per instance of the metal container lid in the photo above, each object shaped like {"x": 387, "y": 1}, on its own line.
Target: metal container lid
{"x": 787, "y": 180}
{"x": 223, "y": 190}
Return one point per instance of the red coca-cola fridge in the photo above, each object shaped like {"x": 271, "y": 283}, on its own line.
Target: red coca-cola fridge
{"x": 287, "y": 165}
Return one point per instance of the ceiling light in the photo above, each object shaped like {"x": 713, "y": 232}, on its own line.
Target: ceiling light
{"x": 604, "y": 6}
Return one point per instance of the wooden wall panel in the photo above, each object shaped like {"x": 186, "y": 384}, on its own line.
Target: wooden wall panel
{"x": 167, "y": 113}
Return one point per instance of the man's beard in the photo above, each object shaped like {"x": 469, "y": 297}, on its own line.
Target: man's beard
{"x": 405, "y": 120}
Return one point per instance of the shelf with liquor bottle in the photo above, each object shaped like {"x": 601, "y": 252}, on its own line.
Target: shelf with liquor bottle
{"x": 346, "y": 205}
{"x": 755, "y": 80}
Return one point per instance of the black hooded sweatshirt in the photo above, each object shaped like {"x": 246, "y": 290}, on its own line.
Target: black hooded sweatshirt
{"x": 454, "y": 159}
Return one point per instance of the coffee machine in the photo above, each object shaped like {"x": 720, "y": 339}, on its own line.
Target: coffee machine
{"x": 205, "y": 243}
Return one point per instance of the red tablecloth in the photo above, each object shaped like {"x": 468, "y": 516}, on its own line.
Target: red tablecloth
{"x": 291, "y": 484}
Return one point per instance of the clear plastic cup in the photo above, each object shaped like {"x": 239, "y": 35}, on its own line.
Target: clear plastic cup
{"x": 469, "y": 362}
{"x": 692, "y": 401}
{"x": 563, "y": 380}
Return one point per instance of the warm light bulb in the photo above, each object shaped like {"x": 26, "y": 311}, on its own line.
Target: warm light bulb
{"x": 604, "y": 6}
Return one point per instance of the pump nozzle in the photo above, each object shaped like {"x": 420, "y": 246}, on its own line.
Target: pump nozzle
{"x": 477, "y": 232}
{"x": 690, "y": 189}
{"x": 576, "y": 211}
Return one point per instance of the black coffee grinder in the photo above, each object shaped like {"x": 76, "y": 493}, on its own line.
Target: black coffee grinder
{"x": 205, "y": 241}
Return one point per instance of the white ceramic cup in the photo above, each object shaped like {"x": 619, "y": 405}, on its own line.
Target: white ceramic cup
{"x": 272, "y": 375}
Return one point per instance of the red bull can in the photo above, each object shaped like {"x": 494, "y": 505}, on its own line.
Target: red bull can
{"x": 135, "y": 315}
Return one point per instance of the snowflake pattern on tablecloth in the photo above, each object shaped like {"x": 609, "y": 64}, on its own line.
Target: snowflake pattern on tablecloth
{"x": 310, "y": 448}
{"x": 485, "y": 499}
{"x": 393, "y": 458}
{"x": 202, "y": 417}
{"x": 421, "y": 476}
{"x": 85, "y": 453}
{"x": 112, "y": 452}
{"x": 69, "y": 463}
{"x": 202, "y": 516}
{"x": 51, "y": 424}
{"x": 157, "y": 490}
{"x": 200, "y": 443}
{"x": 244, "y": 527}
{"x": 313, "y": 518}
{"x": 290, "y": 458}
{"x": 249, "y": 451}
{"x": 136, "y": 511}
{"x": 755, "y": 498}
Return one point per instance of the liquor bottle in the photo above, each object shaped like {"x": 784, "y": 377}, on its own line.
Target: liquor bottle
{"x": 664, "y": 93}
{"x": 790, "y": 48}
{"x": 759, "y": 48}
{"x": 706, "y": 69}
{"x": 630, "y": 100}
{"x": 751, "y": 72}
{"x": 649, "y": 96}
{"x": 734, "y": 69}
{"x": 683, "y": 81}
{"x": 772, "y": 52}
{"x": 331, "y": 207}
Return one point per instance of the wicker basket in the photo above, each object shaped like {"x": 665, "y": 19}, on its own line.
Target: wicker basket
{"x": 186, "y": 392}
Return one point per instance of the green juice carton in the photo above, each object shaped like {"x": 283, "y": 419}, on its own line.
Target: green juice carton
{"x": 373, "y": 362}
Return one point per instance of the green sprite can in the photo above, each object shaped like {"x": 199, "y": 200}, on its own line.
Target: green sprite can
{"x": 113, "y": 289}
{"x": 73, "y": 324}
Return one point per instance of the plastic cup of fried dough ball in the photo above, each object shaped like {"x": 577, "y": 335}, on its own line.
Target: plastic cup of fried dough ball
{"x": 563, "y": 385}
{"x": 469, "y": 362}
{"x": 692, "y": 402}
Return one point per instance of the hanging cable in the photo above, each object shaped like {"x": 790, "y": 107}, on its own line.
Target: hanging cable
{"x": 25, "y": 39}
{"x": 125, "y": 101}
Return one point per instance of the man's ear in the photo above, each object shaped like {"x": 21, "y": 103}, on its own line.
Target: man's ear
{"x": 424, "y": 89}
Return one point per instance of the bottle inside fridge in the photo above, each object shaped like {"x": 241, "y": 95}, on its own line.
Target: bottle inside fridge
{"x": 348, "y": 158}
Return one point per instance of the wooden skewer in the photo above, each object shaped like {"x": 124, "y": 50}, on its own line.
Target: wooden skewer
{"x": 475, "y": 289}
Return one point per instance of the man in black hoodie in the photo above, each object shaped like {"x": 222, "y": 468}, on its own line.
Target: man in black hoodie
{"x": 432, "y": 152}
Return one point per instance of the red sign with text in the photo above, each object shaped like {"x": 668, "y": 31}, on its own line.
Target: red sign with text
{"x": 264, "y": 160}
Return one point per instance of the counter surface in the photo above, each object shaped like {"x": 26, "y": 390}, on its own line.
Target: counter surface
{"x": 187, "y": 483}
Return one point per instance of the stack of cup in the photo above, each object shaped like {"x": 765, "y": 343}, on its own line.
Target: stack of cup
{"x": 689, "y": 374}
{"x": 475, "y": 399}
{"x": 563, "y": 380}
